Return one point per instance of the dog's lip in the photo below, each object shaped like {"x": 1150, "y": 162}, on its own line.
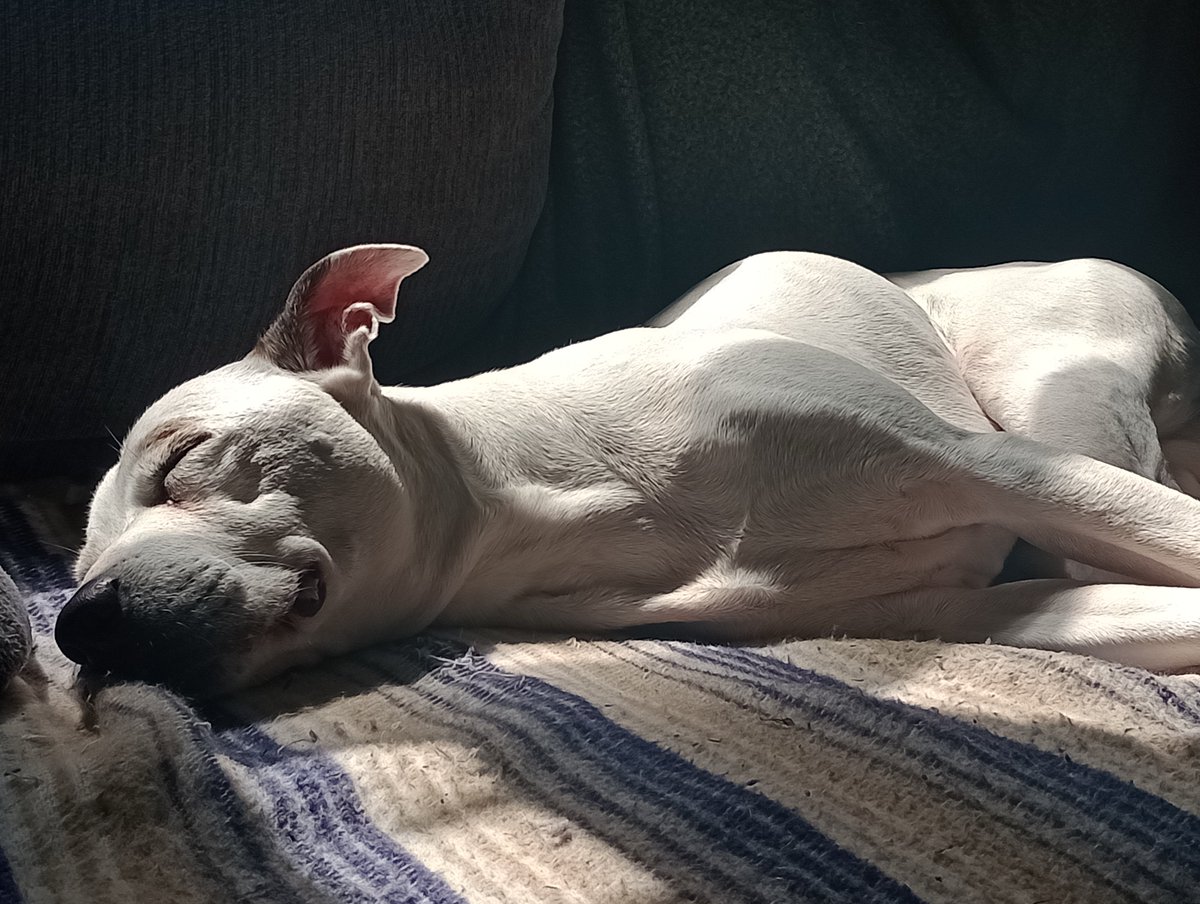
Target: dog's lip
{"x": 311, "y": 591}
{"x": 291, "y": 622}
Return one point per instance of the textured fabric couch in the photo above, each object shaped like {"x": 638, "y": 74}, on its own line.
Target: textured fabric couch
{"x": 168, "y": 169}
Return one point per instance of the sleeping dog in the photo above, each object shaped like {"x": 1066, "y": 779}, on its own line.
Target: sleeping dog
{"x": 797, "y": 447}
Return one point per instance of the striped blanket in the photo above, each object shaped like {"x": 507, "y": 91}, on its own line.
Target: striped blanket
{"x": 486, "y": 768}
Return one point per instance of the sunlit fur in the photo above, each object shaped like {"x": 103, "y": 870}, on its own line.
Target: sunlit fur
{"x": 797, "y": 447}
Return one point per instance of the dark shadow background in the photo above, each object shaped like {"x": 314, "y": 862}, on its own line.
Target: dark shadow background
{"x": 167, "y": 170}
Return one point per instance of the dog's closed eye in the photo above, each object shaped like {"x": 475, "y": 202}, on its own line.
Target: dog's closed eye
{"x": 167, "y": 487}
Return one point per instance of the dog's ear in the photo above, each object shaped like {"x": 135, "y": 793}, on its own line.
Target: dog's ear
{"x": 336, "y": 306}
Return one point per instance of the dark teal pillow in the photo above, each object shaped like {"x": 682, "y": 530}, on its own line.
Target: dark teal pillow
{"x": 902, "y": 135}
{"x": 170, "y": 168}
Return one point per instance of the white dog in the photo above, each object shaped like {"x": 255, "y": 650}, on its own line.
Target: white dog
{"x": 798, "y": 447}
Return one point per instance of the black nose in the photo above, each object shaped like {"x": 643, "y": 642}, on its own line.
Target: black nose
{"x": 89, "y": 629}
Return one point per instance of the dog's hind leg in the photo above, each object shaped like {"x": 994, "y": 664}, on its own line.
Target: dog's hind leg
{"x": 1134, "y": 624}
{"x": 1086, "y": 355}
{"x": 1083, "y": 509}
{"x": 1091, "y": 407}
{"x": 1094, "y": 408}
{"x": 1151, "y": 627}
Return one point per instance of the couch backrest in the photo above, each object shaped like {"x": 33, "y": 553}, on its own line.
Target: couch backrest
{"x": 167, "y": 169}
{"x": 906, "y": 135}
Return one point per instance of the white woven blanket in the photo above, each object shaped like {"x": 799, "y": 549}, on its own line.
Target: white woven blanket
{"x": 469, "y": 769}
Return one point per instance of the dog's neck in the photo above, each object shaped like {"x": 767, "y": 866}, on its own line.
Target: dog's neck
{"x": 444, "y": 490}
{"x": 500, "y": 509}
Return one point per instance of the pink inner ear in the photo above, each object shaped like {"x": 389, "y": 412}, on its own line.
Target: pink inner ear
{"x": 363, "y": 275}
{"x": 342, "y": 287}
{"x": 328, "y": 337}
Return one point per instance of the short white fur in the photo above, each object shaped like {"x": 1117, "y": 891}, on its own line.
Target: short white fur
{"x": 797, "y": 447}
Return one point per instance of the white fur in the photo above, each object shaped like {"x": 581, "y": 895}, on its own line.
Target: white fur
{"x": 797, "y": 447}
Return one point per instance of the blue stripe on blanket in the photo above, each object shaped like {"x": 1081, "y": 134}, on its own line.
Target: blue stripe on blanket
{"x": 9, "y": 893}
{"x": 41, "y": 574}
{"x": 1135, "y": 840}
{"x": 208, "y": 805}
{"x": 1168, "y": 696}
{"x": 319, "y": 819}
{"x": 660, "y": 809}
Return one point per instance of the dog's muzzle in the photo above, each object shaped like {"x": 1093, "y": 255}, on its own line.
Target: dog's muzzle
{"x": 106, "y": 630}
{"x": 182, "y": 631}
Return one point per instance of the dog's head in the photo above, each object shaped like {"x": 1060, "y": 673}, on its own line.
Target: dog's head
{"x": 243, "y": 527}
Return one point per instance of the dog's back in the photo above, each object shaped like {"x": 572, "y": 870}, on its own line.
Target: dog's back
{"x": 841, "y": 307}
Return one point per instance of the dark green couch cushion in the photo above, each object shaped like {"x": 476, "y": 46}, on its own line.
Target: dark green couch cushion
{"x": 169, "y": 168}
{"x": 925, "y": 133}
